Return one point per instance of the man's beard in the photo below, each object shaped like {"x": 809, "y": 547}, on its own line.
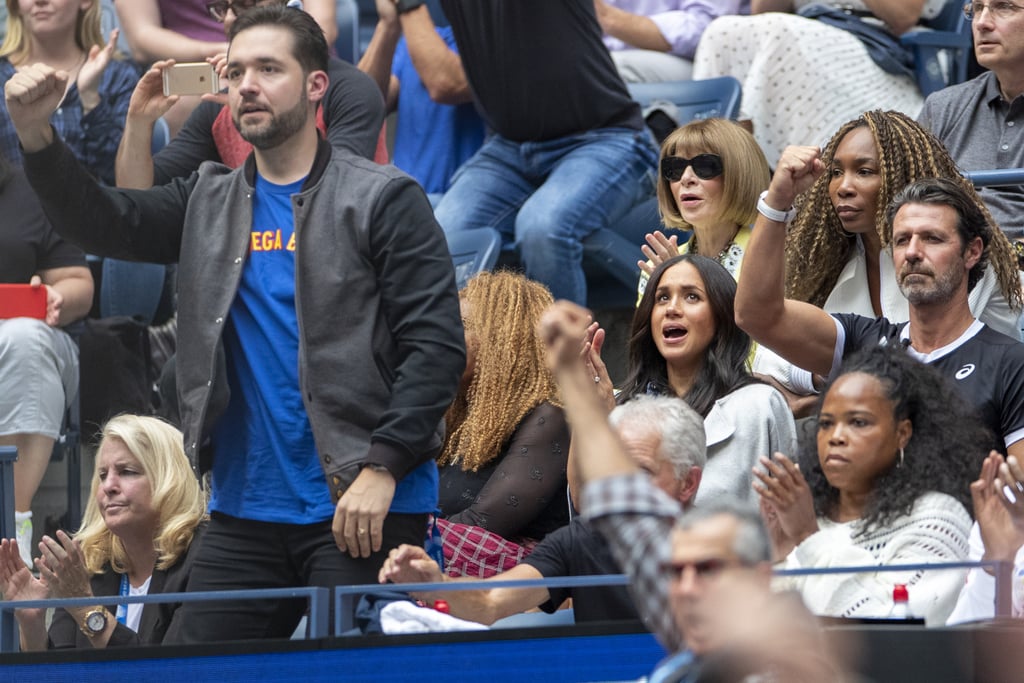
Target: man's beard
{"x": 277, "y": 130}
{"x": 941, "y": 289}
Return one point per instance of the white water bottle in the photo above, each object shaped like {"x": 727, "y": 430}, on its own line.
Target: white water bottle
{"x": 900, "y": 602}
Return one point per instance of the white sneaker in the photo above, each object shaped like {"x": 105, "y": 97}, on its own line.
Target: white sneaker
{"x": 23, "y": 533}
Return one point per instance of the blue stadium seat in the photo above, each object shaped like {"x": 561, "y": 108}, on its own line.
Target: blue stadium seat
{"x": 949, "y": 39}
{"x": 128, "y": 287}
{"x": 473, "y": 251}
{"x": 108, "y": 22}
{"x": 347, "y": 43}
{"x": 704, "y": 99}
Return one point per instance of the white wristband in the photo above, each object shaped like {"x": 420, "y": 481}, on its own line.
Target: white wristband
{"x": 774, "y": 214}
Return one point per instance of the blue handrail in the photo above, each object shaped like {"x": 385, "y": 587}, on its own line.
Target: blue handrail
{"x": 8, "y": 454}
{"x": 344, "y": 596}
{"x": 999, "y": 177}
{"x": 318, "y": 604}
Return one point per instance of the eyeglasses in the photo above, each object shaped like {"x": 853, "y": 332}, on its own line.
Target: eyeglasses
{"x": 702, "y": 570}
{"x": 218, "y": 9}
{"x": 1002, "y": 10}
{"x": 705, "y": 167}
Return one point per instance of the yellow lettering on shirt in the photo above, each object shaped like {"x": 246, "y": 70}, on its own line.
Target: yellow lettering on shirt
{"x": 270, "y": 240}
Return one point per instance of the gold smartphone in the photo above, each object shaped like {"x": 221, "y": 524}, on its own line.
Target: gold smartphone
{"x": 194, "y": 78}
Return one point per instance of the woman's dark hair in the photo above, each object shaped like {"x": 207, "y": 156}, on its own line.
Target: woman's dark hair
{"x": 945, "y": 450}
{"x": 725, "y": 363}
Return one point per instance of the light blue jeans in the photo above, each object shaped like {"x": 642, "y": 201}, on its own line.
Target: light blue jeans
{"x": 546, "y": 197}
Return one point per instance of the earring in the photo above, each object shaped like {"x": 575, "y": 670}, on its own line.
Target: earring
{"x": 900, "y": 463}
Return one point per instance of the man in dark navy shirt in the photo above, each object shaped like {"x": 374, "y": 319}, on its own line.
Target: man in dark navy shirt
{"x": 665, "y": 438}
{"x": 940, "y": 242}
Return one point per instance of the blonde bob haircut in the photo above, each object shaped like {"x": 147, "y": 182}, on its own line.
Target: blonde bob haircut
{"x": 16, "y": 43}
{"x": 745, "y": 169}
{"x": 177, "y": 496}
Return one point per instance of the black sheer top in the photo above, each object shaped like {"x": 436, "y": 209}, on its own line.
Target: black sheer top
{"x": 520, "y": 494}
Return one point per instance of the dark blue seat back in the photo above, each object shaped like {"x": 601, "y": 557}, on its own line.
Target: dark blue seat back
{"x": 473, "y": 251}
{"x": 346, "y": 45}
{"x": 704, "y": 99}
{"x": 950, "y": 36}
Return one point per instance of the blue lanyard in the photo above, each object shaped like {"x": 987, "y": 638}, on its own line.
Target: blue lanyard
{"x": 122, "y": 609}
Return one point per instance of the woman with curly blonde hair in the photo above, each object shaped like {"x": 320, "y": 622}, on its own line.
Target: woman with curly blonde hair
{"x": 141, "y": 524}
{"x": 838, "y": 247}
{"x": 503, "y": 465}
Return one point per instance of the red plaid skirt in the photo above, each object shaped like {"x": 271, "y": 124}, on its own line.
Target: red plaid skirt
{"x": 476, "y": 552}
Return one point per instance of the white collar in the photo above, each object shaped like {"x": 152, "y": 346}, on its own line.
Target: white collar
{"x": 972, "y": 331}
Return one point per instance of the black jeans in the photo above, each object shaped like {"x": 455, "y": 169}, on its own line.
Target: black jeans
{"x": 244, "y": 554}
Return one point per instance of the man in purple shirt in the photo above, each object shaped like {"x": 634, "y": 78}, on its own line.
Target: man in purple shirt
{"x": 654, "y": 40}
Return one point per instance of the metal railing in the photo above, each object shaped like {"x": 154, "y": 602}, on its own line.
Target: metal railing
{"x": 8, "y": 454}
{"x": 1000, "y": 177}
{"x": 318, "y": 605}
{"x": 344, "y": 596}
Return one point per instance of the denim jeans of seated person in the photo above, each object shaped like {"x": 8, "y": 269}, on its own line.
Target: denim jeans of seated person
{"x": 548, "y": 196}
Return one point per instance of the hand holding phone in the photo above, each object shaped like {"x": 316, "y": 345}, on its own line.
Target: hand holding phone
{"x": 193, "y": 78}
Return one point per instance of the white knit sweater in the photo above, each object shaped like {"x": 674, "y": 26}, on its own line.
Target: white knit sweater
{"x": 936, "y": 530}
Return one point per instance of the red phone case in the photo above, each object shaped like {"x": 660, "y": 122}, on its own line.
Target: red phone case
{"x": 22, "y": 301}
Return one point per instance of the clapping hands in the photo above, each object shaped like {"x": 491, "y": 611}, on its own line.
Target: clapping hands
{"x": 786, "y": 504}
{"x": 998, "y": 497}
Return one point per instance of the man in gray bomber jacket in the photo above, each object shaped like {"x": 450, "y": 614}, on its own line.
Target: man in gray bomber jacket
{"x": 319, "y": 329}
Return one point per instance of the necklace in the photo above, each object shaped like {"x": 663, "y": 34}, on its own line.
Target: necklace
{"x": 725, "y": 250}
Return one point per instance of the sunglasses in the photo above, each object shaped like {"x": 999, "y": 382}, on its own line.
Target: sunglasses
{"x": 218, "y": 9}
{"x": 705, "y": 167}
{"x": 703, "y": 569}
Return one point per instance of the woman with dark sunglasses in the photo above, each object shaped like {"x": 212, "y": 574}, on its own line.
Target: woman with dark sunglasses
{"x": 709, "y": 177}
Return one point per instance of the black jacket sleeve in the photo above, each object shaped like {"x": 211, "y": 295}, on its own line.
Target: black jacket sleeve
{"x": 138, "y": 225}
{"x": 417, "y": 282}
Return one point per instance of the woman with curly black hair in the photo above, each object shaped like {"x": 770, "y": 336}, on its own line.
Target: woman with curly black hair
{"x": 886, "y": 484}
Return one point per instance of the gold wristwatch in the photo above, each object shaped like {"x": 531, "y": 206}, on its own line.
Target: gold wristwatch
{"x": 95, "y": 622}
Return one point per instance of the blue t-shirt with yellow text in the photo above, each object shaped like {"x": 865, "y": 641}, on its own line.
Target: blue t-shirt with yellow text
{"x": 265, "y": 464}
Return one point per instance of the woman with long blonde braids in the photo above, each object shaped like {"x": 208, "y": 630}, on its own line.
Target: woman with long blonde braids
{"x": 837, "y": 249}
{"x": 503, "y": 465}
